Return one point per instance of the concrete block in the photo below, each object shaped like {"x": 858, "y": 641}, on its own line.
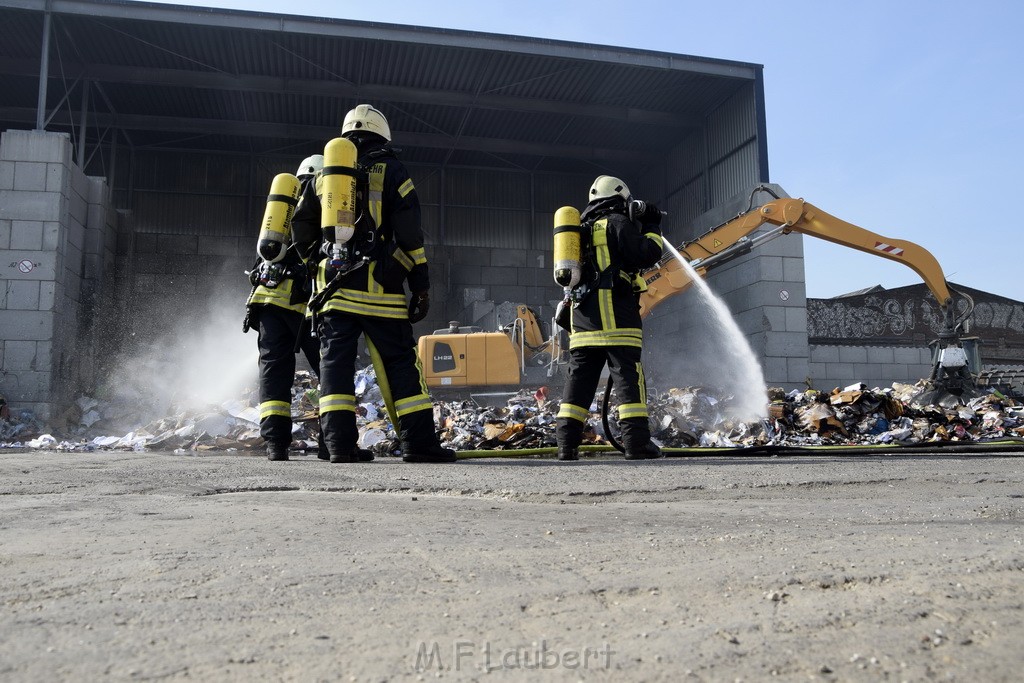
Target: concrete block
{"x": 93, "y": 241}
{"x": 533, "y": 277}
{"x": 906, "y": 355}
{"x": 27, "y": 235}
{"x": 221, "y": 246}
{"x": 786, "y": 344}
{"x": 47, "y": 291}
{"x": 785, "y": 245}
{"x": 471, "y": 256}
{"x": 145, "y": 243}
{"x": 99, "y": 192}
{"x": 5, "y": 234}
{"x": 27, "y": 386}
{"x": 22, "y": 295}
{"x": 881, "y": 354}
{"x": 841, "y": 373}
{"x": 6, "y": 175}
{"x": 796, "y": 319}
{"x": 92, "y": 267}
{"x": 798, "y": 369}
{"x": 31, "y": 206}
{"x": 58, "y": 180}
{"x": 52, "y": 235}
{"x": 79, "y": 185}
{"x": 75, "y": 233}
{"x": 516, "y": 258}
{"x": 26, "y": 325}
{"x": 19, "y": 356}
{"x": 820, "y": 353}
{"x": 20, "y": 145}
{"x": 776, "y": 371}
{"x": 771, "y": 268}
{"x": 177, "y": 244}
{"x": 28, "y": 265}
{"x": 853, "y": 354}
{"x": 78, "y": 209}
{"x": 513, "y": 293}
{"x": 818, "y": 372}
{"x": 793, "y": 269}
{"x": 499, "y": 275}
{"x": 464, "y": 275}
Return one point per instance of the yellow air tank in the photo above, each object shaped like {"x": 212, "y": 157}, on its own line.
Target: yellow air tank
{"x": 567, "y": 247}
{"x": 276, "y": 229}
{"x": 338, "y": 198}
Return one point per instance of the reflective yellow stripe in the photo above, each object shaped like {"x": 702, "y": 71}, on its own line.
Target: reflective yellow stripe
{"x": 572, "y": 412}
{"x": 376, "y": 191}
{"x": 406, "y": 187}
{"x": 600, "y": 239}
{"x": 626, "y": 336}
{"x": 372, "y": 285}
{"x": 345, "y": 306}
{"x": 628, "y": 410}
{"x": 336, "y": 402}
{"x": 280, "y": 408}
{"x": 418, "y": 256}
{"x": 402, "y": 258}
{"x": 371, "y": 298}
{"x": 604, "y": 300}
{"x": 642, "y": 382}
{"x": 656, "y": 238}
{"x": 278, "y": 296}
{"x": 412, "y": 404}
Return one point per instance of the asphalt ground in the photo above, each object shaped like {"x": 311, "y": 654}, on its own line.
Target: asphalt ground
{"x": 722, "y": 567}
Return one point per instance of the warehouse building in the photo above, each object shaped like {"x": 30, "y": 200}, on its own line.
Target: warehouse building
{"x": 139, "y": 141}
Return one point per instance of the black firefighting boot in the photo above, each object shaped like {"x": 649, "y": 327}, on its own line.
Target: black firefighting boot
{"x": 568, "y": 453}
{"x": 648, "y": 451}
{"x": 321, "y": 448}
{"x": 277, "y": 450}
{"x": 352, "y": 455}
{"x": 428, "y": 453}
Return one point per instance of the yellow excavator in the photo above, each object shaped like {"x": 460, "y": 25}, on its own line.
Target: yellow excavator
{"x": 467, "y": 357}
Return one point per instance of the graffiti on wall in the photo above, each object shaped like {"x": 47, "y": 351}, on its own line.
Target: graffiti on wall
{"x": 908, "y": 315}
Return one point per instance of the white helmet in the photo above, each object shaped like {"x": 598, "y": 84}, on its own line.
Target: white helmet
{"x": 310, "y": 165}
{"x": 608, "y": 186}
{"x": 365, "y": 117}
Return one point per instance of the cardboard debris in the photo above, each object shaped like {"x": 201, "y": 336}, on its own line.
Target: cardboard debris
{"x": 680, "y": 418}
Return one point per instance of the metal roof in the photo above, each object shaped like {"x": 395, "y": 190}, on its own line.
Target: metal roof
{"x": 170, "y": 76}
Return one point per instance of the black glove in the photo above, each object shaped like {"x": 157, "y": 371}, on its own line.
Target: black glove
{"x": 651, "y": 215}
{"x": 645, "y": 212}
{"x": 418, "y": 306}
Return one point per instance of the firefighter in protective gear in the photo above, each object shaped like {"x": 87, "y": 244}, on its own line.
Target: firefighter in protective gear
{"x": 277, "y": 308}
{"x": 370, "y": 301}
{"x": 605, "y": 323}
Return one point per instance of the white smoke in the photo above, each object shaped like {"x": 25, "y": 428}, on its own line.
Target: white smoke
{"x": 199, "y": 365}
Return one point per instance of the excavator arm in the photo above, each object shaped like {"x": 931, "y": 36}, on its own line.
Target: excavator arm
{"x": 788, "y": 215}
{"x": 733, "y": 238}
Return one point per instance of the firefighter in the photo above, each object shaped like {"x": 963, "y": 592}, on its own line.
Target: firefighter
{"x": 617, "y": 244}
{"x": 277, "y": 308}
{"x": 360, "y": 292}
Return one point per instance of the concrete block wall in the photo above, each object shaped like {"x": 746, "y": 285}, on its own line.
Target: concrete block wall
{"x": 177, "y": 279}
{"x": 834, "y": 366}
{"x": 480, "y": 278}
{"x": 57, "y": 248}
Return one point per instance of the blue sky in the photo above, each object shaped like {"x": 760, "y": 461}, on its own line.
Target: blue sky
{"x": 903, "y": 117}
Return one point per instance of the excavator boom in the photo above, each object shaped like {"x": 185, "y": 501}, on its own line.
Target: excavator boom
{"x": 789, "y": 215}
